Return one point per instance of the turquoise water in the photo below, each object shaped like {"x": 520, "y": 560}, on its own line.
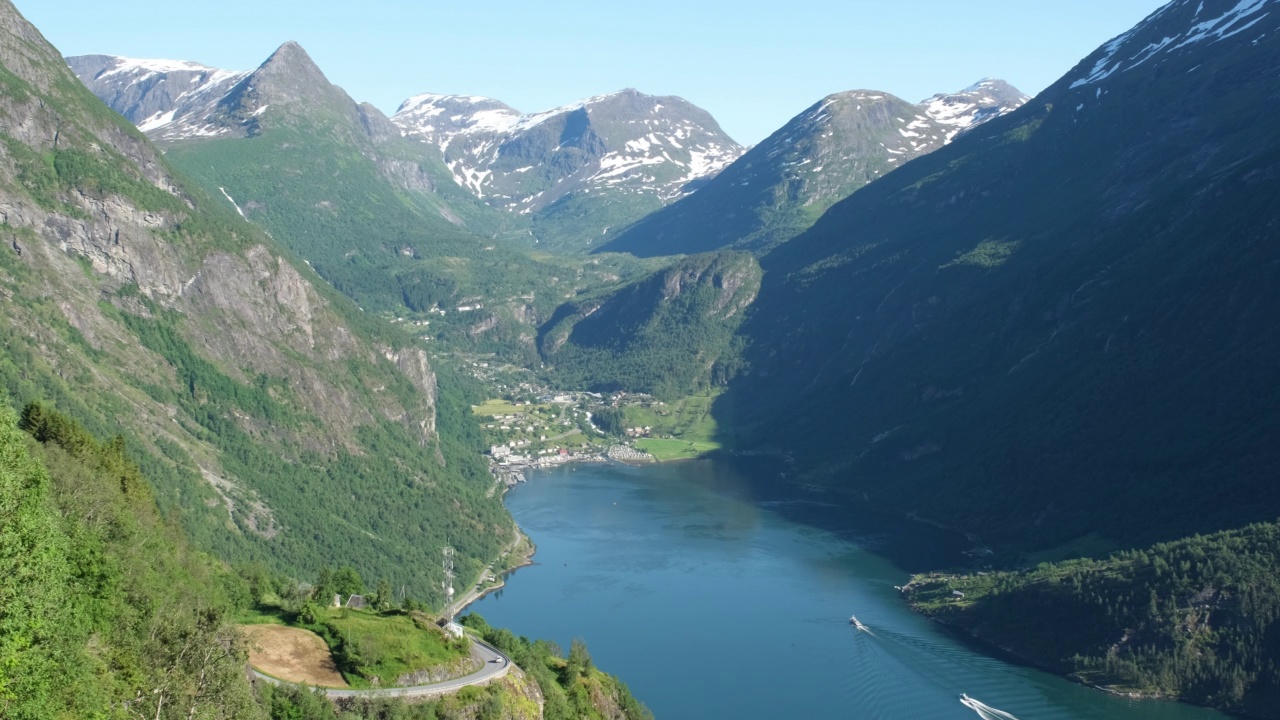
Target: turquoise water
{"x": 711, "y": 601}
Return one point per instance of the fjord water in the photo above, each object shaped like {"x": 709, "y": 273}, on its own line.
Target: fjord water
{"x": 712, "y": 601}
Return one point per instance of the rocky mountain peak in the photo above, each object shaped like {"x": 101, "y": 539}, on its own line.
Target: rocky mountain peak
{"x": 176, "y": 100}
{"x": 292, "y": 64}
{"x": 984, "y": 100}
{"x": 640, "y": 150}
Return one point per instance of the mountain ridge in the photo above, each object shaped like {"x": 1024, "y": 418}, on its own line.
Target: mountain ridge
{"x": 637, "y": 151}
{"x": 835, "y": 146}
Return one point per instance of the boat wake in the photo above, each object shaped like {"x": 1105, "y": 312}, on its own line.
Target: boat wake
{"x": 986, "y": 712}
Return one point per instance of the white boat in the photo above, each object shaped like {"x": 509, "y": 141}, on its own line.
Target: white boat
{"x": 856, "y": 623}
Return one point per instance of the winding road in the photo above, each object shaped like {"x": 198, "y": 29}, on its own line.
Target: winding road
{"x": 496, "y": 665}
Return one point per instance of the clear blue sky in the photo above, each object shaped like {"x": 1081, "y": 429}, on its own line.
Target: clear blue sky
{"x": 752, "y": 64}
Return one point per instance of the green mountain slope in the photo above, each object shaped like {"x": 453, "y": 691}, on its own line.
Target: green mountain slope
{"x": 276, "y": 420}
{"x": 668, "y": 334}
{"x": 1064, "y": 322}
{"x": 379, "y": 217}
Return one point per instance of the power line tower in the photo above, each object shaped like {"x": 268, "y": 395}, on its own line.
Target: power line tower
{"x": 448, "y": 584}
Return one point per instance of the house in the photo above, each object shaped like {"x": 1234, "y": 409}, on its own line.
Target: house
{"x": 957, "y": 594}
{"x": 356, "y": 602}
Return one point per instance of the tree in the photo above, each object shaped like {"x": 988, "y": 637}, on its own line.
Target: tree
{"x": 382, "y": 602}
{"x": 579, "y": 658}
{"x": 346, "y": 581}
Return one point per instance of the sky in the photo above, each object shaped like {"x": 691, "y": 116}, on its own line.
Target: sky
{"x": 753, "y": 65}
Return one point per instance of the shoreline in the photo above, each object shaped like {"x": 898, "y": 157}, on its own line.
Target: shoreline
{"x": 474, "y": 595}
{"x": 991, "y": 649}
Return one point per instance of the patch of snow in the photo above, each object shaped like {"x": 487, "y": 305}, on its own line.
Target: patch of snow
{"x": 150, "y": 67}
{"x": 1117, "y": 58}
{"x": 156, "y": 121}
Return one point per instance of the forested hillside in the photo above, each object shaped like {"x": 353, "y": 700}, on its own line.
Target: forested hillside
{"x": 668, "y": 334}
{"x": 1194, "y": 619}
{"x": 106, "y": 610}
{"x": 1062, "y": 325}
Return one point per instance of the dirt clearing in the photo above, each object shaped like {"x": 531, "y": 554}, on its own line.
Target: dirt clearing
{"x": 292, "y": 654}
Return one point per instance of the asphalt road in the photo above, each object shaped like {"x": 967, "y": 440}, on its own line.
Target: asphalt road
{"x": 496, "y": 665}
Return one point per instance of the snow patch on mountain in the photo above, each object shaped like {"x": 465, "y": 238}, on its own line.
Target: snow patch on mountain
{"x": 985, "y": 100}
{"x": 167, "y": 99}
{"x": 1123, "y": 53}
{"x": 621, "y": 142}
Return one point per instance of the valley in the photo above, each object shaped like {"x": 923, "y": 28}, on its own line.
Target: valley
{"x": 291, "y": 344}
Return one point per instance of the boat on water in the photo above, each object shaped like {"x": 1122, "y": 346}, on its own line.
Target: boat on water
{"x": 856, "y": 623}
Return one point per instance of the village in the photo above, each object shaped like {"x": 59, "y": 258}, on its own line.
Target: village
{"x": 529, "y": 425}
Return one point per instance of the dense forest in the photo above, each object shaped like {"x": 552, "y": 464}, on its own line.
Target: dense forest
{"x": 1197, "y": 619}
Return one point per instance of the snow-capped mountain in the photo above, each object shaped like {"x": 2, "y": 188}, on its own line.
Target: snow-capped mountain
{"x": 624, "y": 144}
{"x": 985, "y": 100}
{"x": 175, "y": 100}
{"x": 167, "y": 99}
{"x": 822, "y": 155}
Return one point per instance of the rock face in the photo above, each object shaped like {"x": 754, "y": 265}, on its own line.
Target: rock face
{"x": 626, "y": 150}
{"x": 1071, "y": 307}
{"x": 781, "y": 186}
{"x": 143, "y": 305}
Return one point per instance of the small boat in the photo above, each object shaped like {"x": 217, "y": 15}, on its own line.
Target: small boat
{"x": 856, "y": 623}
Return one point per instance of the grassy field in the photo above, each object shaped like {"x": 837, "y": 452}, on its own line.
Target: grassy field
{"x": 489, "y": 408}
{"x": 387, "y": 646}
{"x": 688, "y": 422}
{"x": 663, "y": 449}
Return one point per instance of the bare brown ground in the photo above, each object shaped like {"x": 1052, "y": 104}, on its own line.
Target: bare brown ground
{"x": 292, "y": 654}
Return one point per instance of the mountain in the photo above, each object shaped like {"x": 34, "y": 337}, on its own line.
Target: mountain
{"x": 667, "y": 334}
{"x": 781, "y": 186}
{"x": 173, "y": 100}
{"x": 378, "y": 216}
{"x": 276, "y": 421}
{"x": 579, "y": 171}
{"x": 1059, "y": 330}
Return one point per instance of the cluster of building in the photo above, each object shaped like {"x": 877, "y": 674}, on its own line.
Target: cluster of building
{"x": 626, "y": 452}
